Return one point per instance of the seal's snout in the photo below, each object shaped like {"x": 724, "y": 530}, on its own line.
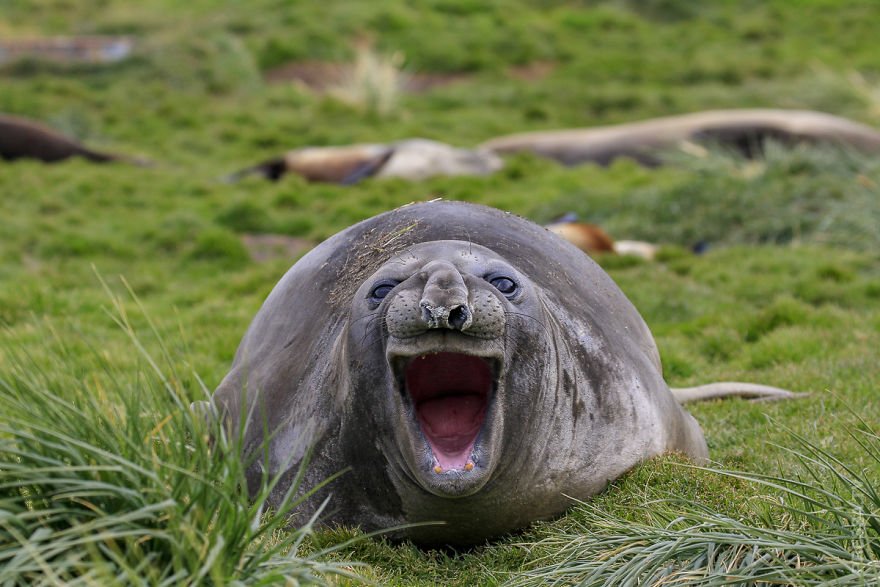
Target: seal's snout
{"x": 444, "y": 300}
{"x": 455, "y": 318}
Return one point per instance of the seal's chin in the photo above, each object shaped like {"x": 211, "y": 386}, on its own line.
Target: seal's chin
{"x": 450, "y": 394}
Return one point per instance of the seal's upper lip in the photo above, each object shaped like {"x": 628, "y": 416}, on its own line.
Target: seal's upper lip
{"x": 450, "y": 393}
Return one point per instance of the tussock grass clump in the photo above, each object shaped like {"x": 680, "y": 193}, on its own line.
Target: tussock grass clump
{"x": 373, "y": 83}
{"x": 110, "y": 479}
{"x": 821, "y": 527}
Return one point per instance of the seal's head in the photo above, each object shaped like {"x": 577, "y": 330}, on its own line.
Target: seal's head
{"x": 442, "y": 310}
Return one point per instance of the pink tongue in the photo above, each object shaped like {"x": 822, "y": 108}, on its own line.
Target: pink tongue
{"x": 451, "y": 416}
{"x": 451, "y": 424}
{"x": 450, "y": 393}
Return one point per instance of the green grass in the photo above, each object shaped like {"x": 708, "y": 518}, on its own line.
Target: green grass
{"x": 787, "y": 294}
{"x": 111, "y": 479}
{"x": 819, "y": 528}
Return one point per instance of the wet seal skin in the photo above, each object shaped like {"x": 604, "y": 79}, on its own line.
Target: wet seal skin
{"x": 463, "y": 365}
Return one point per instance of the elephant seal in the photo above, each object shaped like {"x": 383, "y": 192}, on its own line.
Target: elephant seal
{"x": 587, "y": 237}
{"x": 343, "y": 165}
{"x": 743, "y": 130}
{"x": 461, "y": 364}
{"x": 412, "y": 159}
{"x": 417, "y": 159}
{"x": 591, "y": 239}
{"x": 21, "y": 138}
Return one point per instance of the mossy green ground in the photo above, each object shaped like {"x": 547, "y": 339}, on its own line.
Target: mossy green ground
{"x": 788, "y": 293}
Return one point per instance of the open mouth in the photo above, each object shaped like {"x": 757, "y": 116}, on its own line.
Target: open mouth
{"x": 450, "y": 394}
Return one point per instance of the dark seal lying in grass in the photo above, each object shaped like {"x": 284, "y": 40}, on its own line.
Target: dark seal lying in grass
{"x": 21, "y": 138}
{"x": 462, "y": 364}
{"x": 742, "y": 130}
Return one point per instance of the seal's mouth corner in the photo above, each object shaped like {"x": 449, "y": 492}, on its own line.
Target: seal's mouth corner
{"x": 450, "y": 394}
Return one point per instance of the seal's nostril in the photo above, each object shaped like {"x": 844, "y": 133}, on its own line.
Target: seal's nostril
{"x": 428, "y": 316}
{"x": 459, "y": 317}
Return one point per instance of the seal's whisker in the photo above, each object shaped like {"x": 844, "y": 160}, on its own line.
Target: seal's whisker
{"x": 370, "y": 332}
{"x": 534, "y": 320}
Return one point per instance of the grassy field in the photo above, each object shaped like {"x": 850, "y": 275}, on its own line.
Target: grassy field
{"x": 124, "y": 290}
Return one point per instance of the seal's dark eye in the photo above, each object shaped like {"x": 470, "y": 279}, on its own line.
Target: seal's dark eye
{"x": 382, "y": 289}
{"x": 505, "y": 285}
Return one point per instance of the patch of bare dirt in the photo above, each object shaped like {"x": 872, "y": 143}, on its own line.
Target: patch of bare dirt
{"x": 319, "y": 76}
{"x": 266, "y": 247}
{"x": 423, "y": 82}
{"x": 315, "y": 75}
{"x": 532, "y": 72}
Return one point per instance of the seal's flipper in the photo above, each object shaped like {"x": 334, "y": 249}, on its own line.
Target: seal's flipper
{"x": 367, "y": 168}
{"x": 272, "y": 169}
{"x": 723, "y": 389}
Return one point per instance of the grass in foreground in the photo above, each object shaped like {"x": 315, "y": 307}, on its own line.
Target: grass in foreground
{"x": 821, "y": 527}
{"x": 117, "y": 482}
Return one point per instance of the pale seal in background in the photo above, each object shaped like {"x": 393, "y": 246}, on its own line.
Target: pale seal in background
{"x": 412, "y": 159}
{"x": 645, "y": 141}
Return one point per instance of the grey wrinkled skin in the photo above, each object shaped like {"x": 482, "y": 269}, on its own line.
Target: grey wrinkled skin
{"x": 578, "y": 400}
